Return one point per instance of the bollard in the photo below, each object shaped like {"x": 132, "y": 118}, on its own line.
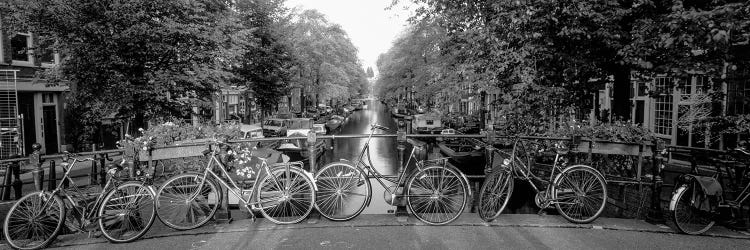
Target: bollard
{"x": 35, "y": 159}
{"x": 15, "y": 169}
{"x": 7, "y": 181}
{"x": 654, "y": 214}
{"x": 52, "y": 177}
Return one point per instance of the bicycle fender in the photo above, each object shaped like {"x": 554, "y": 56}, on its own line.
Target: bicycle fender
{"x": 673, "y": 200}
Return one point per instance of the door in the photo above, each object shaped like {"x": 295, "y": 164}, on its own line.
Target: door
{"x": 639, "y": 111}
{"x": 49, "y": 117}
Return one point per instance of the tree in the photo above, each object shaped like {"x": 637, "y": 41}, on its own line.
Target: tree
{"x": 267, "y": 63}
{"x": 370, "y": 73}
{"x": 133, "y": 58}
{"x": 326, "y": 58}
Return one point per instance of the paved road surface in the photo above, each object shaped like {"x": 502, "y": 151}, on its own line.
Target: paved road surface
{"x": 430, "y": 237}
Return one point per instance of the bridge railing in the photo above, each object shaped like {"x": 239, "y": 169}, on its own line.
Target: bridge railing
{"x": 585, "y": 150}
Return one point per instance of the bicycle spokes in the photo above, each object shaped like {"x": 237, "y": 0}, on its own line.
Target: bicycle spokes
{"x": 127, "y": 212}
{"x": 341, "y": 191}
{"x": 580, "y": 195}
{"x": 34, "y": 221}
{"x": 437, "y": 195}
{"x": 286, "y": 199}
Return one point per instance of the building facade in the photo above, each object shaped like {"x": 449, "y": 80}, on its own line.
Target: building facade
{"x": 32, "y": 111}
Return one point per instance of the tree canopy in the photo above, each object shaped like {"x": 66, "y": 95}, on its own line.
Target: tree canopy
{"x": 144, "y": 60}
{"x": 548, "y": 56}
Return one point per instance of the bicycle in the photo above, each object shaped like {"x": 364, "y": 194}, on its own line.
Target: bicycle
{"x": 693, "y": 210}
{"x": 284, "y": 193}
{"x": 579, "y": 192}
{"x": 123, "y": 210}
{"x": 435, "y": 193}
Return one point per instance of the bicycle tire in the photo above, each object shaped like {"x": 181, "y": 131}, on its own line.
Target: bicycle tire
{"x": 343, "y": 191}
{"x": 32, "y": 203}
{"x": 172, "y": 208}
{"x": 290, "y": 200}
{"x": 589, "y": 188}
{"x": 688, "y": 218}
{"x": 122, "y": 212}
{"x": 495, "y": 194}
{"x": 430, "y": 199}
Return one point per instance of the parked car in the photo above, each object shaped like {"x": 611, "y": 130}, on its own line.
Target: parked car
{"x": 448, "y": 131}
{"x": 274, "y": 127}
{"x": 251, "y": 131}
{"x": 319, "y": 128}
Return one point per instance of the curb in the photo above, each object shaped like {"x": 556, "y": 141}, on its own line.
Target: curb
{"x": 246, "y": 225}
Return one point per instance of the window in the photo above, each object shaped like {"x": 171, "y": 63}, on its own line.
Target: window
{"x": 20, "y": 47}
{"x": 663, "y": 106}
{"x": 47, "y": 54}
{"x": 48, "y": 98}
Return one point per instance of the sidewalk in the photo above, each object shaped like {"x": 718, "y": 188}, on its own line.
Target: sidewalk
{"x": 467, "y": 220}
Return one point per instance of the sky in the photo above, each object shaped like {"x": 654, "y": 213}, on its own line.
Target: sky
{"x": 369, "y": 25}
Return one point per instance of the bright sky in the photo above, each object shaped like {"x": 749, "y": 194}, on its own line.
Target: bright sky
{"x": 370, "y": 27}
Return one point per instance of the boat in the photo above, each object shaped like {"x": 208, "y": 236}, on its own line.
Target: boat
{"x": 399, "y": 113}
{"x": 298, "y": 149}
{"x": 464, "y": 154}
{"x": 428, "y": 123}
{"x": 334, "y": 123}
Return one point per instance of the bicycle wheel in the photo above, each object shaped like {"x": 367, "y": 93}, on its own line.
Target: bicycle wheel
{"x": 687, "y": 214}
{"x": 437, "y": 195}
{"x": 580, "y": 194}
{"x": 127, "y": 212}
{"x": 182, "y": 205}
{"x": 288, "y": 198}
{"x": 34, "y": 221}
{"x": 343, "y": 191}
{"x": 495, "y": 194}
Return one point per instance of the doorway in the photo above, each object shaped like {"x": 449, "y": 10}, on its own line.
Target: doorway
{"x": 49, "y": 118}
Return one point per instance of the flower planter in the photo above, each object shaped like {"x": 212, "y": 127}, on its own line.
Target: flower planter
{"x": 181, "y": 149}
{"x": 614, "y": 148}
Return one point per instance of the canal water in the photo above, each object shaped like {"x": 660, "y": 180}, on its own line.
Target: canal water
{"x": 383, "y": 151}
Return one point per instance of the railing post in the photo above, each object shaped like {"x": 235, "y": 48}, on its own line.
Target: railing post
{"x": 655, "y": 214}
{"x": 93, "y": 172}
{"x": 223, "y": 215}
{"x": 102, "y": 170}
{"x": 312, "y": 140}
{"x": 401, "y": 213}
{"x": 35, "y": 159}
{"x": 52, "y": 184}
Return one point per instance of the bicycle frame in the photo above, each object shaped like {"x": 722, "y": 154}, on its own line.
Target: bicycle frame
{"x": 373, "y": 172}
{"x": 524, "y": 171}
{"x": 85, "y": 214}
{"x": 234, "y": 188}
